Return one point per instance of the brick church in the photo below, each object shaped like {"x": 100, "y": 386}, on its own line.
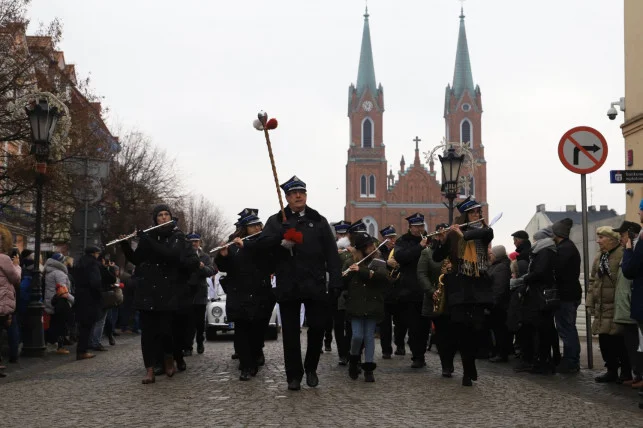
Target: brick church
{"x": 373, "y": 191}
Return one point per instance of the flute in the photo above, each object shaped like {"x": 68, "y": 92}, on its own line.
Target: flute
{"x": 232, "y": 242}
{"x": 371, "y": 253}
{"x": 428, "y": 235}
{"x": 131, "y": 235}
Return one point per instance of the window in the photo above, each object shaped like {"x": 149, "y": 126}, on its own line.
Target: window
{"x": 371, "y": 225}
{"x": 466, "y": 107}
{"x": 467, "y": 187}
{"x": 367, "y": 133}
{"x": 371, "y": 186}
{"x": 465, "y": 132}
{"x": 362, "y": 187}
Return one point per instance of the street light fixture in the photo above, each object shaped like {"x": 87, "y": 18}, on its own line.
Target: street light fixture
{"x": 43, "y": 119}
{"x": 451, "y": 164}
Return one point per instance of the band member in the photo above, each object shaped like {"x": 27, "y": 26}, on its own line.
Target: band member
{"x": 430, "y": 274}
{"x": 391, "y": 314}
{"x": 162, "y": 259}
{"x": 468, "y": 286}
{"x": 249, "y": 300}
{"x": 199, "y": 292}
{"x": 366, "y": 283}
{"x": 338, "y": 298}
{"x": 407, "y": 253}
{"x": 305, "y": 251}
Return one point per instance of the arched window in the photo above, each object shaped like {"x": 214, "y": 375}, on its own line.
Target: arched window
{"x": 367, "y": 132}
{"x": 363, "y": 191}
{"x": 466, "y": 136}
{"x": 468, "y": 186}
{"x": 371, "y": 225}
{"x": 371, "y": 186}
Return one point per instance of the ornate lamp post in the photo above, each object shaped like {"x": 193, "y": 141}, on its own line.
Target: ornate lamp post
{"x": 451, "y": 164}
{"x": 43, "y": 119}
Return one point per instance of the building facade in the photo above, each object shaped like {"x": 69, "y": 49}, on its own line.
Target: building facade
{"x": 373, "y": 192}
{"x": 633, "y": 126}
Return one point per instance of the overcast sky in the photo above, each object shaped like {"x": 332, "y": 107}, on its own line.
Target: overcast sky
{"x": 193, "y": 74}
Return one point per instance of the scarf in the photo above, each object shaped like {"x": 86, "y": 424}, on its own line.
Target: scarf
{"x": 604, "y": 263}
{"x": 474, "y": 258}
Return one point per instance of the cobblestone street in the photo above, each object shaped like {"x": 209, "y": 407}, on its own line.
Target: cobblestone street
{"x": 107, "y": 391}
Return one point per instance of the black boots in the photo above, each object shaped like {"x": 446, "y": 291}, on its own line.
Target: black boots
{"x": 609, "y": 377}
{"x": 353, "y": 369}
{"x": 368, "y": 371}
{"x": 200, "y": 349}
{"x": 311, "y": 379}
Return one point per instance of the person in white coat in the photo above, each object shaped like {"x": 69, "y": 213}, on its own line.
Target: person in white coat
{"x": 58, "y": 300}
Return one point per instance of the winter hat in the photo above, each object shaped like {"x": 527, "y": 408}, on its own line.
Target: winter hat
{"x": 629, "y": 226}
{"x": 513, "y": 256}
{"x": 25, "y": 254}
{"x": 158, "y": 209}
{"x": 499, "y": 251}
{"x": 58, "y": 257}
{"x": 608, "y": 232}
{"x": 543, "y": 233}
{"x": 92, "y": 249}
{"x": 362, "y": 240}
{"x": 563, "y": 227}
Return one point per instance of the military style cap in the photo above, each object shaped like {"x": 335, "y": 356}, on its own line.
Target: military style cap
{"x": 388, "y": 231}
{"x": 293, "y": 184}
{"x": 342, "y": 226}
{"x": 358, "y": 226}
{"x": 193, "y": 237}
{"x": 416, "y": 219}
{"x": 468, "y": 205}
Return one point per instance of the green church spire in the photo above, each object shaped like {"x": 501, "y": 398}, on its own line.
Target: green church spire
{"x": 462, "y": 77}
{"x": 366, "y": 71}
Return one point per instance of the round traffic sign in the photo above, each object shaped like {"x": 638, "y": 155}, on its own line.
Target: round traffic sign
{"x": 582, "y": 150}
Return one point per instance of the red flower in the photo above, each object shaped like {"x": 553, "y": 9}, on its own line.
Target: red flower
{"x": 271, "y": 124}
{"x": 294, "y": 235}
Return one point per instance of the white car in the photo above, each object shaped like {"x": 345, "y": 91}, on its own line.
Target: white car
{"x": 217, "y": 321}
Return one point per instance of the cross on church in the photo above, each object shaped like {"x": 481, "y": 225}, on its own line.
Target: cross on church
{"x": 417, "y": 140}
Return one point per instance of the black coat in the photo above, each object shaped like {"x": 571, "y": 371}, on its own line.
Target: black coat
{"x": 500, "y": 274}
{"x": 540, "y": 276}
{"x": 523, "y": 251}
{"x": 302, "y": 273}
{"x": 407, "y": 254}
{"x": 88, "y": 299}
{"x": 198, "y": 283}
{"x": 568, "y": 271}
{"x": 164, "y": 261}
{"x": 248, "y": 290}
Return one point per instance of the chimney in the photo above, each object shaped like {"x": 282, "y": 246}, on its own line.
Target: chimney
{"x": 604, "y": 208}
{"x": 591, "y": 208}
{"x": 570, "y": 208}
{"x": 540, "y": 208}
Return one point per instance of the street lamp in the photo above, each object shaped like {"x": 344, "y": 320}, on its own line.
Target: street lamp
{"x": 451, "y": 164}
{"x": 43, "y": 119}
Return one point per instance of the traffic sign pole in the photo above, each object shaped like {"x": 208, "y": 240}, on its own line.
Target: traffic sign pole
{"x": 583, "y": 150}
{"x": 588, "y": 317}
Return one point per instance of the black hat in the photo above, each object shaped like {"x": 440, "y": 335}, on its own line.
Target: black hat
{"x": 388, "y": 231}
{"x": 94, "y": 249}
{"x": 342, "y": 226}
{"x": 521, "y": 234}
{"x": 629, "y": 226}
{"x": 468, "y": 205}
{"x": 358, "y": 226}
{"x": 563, "y": 227}
{"x": 441, "y": 226}
{"x": 157, "y": 209}
{"x": 362, "y": 240}
{"x": 416, "y": 219}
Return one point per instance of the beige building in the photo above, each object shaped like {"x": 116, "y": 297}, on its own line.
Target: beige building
{"x": 633, "y": 125}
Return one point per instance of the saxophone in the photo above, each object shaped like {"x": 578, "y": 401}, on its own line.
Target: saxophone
{"x": 439, "y": 297}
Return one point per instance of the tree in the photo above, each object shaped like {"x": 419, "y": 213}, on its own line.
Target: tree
{"x": 206, "y": 219}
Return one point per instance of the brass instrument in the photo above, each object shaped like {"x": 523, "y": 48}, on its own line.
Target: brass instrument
{"x": 131, "y": 235}
{"x": 439, "y": 297}
{"x": 394, "y": 273}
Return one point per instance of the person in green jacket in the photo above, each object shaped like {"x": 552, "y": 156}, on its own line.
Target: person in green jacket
{"x": 366, "y": 283}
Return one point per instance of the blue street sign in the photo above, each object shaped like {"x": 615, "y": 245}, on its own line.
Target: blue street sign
{"x": 626, "y": 176}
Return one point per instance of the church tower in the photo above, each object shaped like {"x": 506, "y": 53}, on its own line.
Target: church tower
{"x": 366, "y": 174}
{"x": 463, "y": 118}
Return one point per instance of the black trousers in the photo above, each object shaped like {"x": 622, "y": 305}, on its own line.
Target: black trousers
{"x": 418, "y": 329}
{"x": 316, "y": 317}
{"x": 84, "y": 330}
{"x": 536, "y": 343}
{"x": 182, "y": 328}
{"x": 248, "y": 341}
{"x": 198, "y": 326}
{"x": 445, "y": 340}
{"x": 400, "y": 325}
{"x": 631, "y": 338}
{"x": 386, "y": 329}
{"x": 466, "y": 337}
{"x": 156, "y": 335}
{"x": 614, "y": 353}
{"x": 503, "y": 345}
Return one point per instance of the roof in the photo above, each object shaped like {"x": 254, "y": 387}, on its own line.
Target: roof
{"x": 577, "y": 216}
{"x": 366, "y": 70}
{"x": 462, "y": 76}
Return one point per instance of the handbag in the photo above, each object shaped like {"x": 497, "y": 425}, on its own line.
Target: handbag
{"x": 551, "y": 299}
{"x": 112, "y": 298}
